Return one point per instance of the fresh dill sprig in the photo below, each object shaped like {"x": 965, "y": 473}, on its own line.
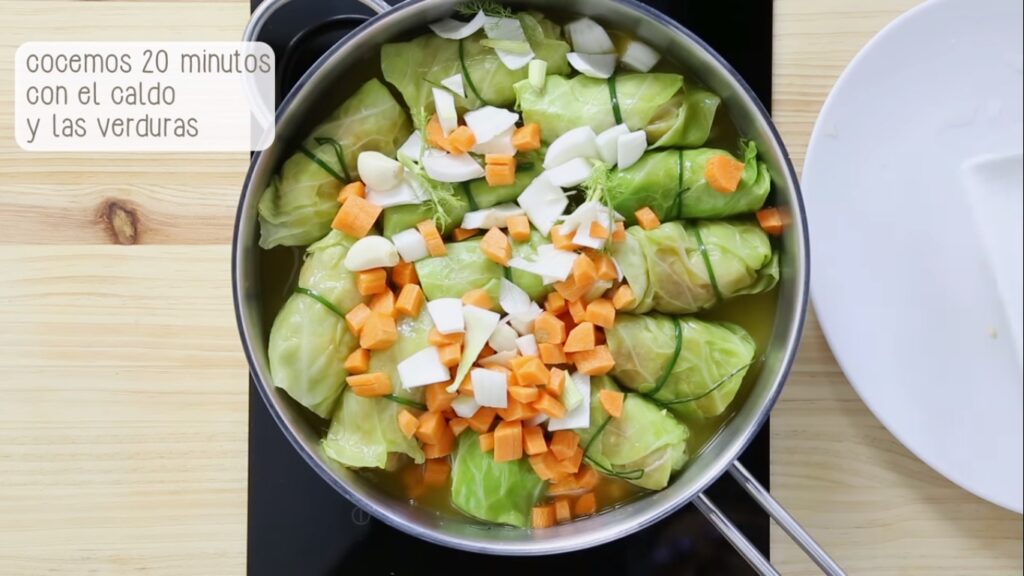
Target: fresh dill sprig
{"x": 598, "y": 189}
{"x": 442, "y": 196}
{"x": 488, "y": 7}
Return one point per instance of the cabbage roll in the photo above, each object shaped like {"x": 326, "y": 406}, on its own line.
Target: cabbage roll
{"x": 298, "y": 206}
{"x": 671, "y": 111}
{"x": 690, "y": 366}
{"x": 309, "y": 340}
{"x": 682, "y": 268}
{"x": 644, "y": 446}
{"x": 364, "y": 431}
{"x": 469, "y": 196}
{"x": 466, "y": 268}
{"x": 672, "y": 184}
{"x": 500, "y": 492}
{"x": 415, "y": 67}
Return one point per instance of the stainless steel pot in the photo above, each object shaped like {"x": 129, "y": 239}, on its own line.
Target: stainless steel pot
{"x": 319, "y": 91}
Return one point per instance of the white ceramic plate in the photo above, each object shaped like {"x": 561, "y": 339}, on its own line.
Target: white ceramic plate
{"x": 913, "y": 190}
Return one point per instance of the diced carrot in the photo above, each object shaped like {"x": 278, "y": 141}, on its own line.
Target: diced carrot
{"x": 550, "y": 406}
{"x": 482, "y": 420}
{"x": 372, "y": 282}
{"x": 496, "y": 246}
{"x": 403, "y": 274}
{"x": 565, "y": 485}
{"x": 571, "y": 290}
{"x": 356, "y": 217}
{"x": 599, "y": 231}
{"x": 438, "y": 397}
{"x": 500, "y": 174}
{"x": 435, "y": 244}
{"x": 561, "y": 241}
{"x": 358, "y": 362}
{"x": 369, "y": 385}
{"x": 601, "y": 312}
{"x": 500, "y": 159}
{"x": 581, "y": 338}
{"x": 527, "y": 138}
{"x": 430, "y": 428}
{"x": 479, "y": 298}
{"x": 519, "y": 228}
{"x": 410, "y": 300}
{"x": 508, "y": 441}
{"x": 516, "y": 410}
{"x": 577, "y": 311}
{"x": 563, "y": 510}
{"x": 530, "y": 371}
{"x": 554, "y": 303}
{"x": 571, "y": 463}
{"x": 408, "y": 423}
{"x": 587, "y": 478}
{"x": 543, "y": 516}
{"x": 647, "y": 219}
{"x": 444, "y": 446}
{"x": 619, "y": 232}
{"x": 351, "y": 189}
{"x": 384, "y": 303}
{"x": 770, "y": 220}
{"x": 435, "y": 338}
{"x": 458, "y": 425}
{"x": 612, "y": 401}
{"x": 451, "y": 354}
{"x": 594, "y": 362}
{"x": 585, "y": 505}
{"x": 606, "y": 269}
{"x": 548, "y": 329}
{"x": 551, "y": 353}
{"x": 623, "y": 298}
{"x": 533, "y": 440}
{"x": 461, "y": 140}
{"x": 357, "y": 317}
{"x": 379, "y": 333}
{"x": 542, "y": 464}
{"x": 435, "y": 472}
{"x": 486, "y": 441}
{"x": 460, "y": 234}
{"x": 412, "y": 481}
{"x": 524, "y": 394}
{"x": 435, "y": 134}
{"x": 556, "y": 382}
{"x": 724, "y": 173}
{"x": 564, "y": 443}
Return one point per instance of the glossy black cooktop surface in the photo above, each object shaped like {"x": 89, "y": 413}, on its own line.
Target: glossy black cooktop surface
{"x": 299, "y": 525}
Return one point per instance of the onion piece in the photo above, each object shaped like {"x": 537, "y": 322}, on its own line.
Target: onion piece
{"x": 444, "y": 105}
{"x": 608, "y": 143}
{"x": 523, "y": 321}
{"x": 503, "y": 339}
{"x": 452, "y": 167}
{"x": 509, "y": 29}
{"x": 572, "y": 173}
{"x": 490, "y": 387}
{"x": 500, "y": 144}
{"x": 527, "y": 345}
{"x": 455, "y": 84}
{"x": 454, "y": 30}
{"x": 549, "y": 262}
{"x": 412, "y": 147}
{"x": 465, "y": 406}
{"x": 593, "y": 65}
{"x": 480, "y": 324}
{"x": 446, "y": 313}
{"x": 411, "y": 245}
{"x": 589, "y": 37}
{"x": 576, "y": 143}
{"x": 422, "y": 368}
{"x": 538, "y": 73}
{"x": 490, "y": 121}
{"x": 639, "y": 56}
{"x": 631, "y": 147}
{"x": 578, "y": 417}
{"x": 406, "y": 193}
{"x": 493, "y": 217}
{"x": 544, "y": 203}
{"x": 512, "y": 298}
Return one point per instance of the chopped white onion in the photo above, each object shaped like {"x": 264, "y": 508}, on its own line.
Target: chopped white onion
{"x": 639, "y": 56}
{"x": 583, "y": 237}
{"x": 597, "y": 290}
{"x": 631, "y": 147}
{"x": 538, "y": 73}
{"x": 371, "y": 252}
{"x": 493, "y": 217}
{"x": 549, "y": 262}
{"x": 503, "y": 339}
{"x": 455, "y": 30}
{"x": 509, "y": 29}
{"x": 452, "y": 167}
{"x": 608, "y": 143}
{"x": 412, "y": 147}
{"x": 479, "y": 324}
{"x": 455, "y": 84}
{"x": 544, "y": 203}
{"x": 411, "y": 245}
{"x": 576, "y": 143}
{"x": 512, "y": 298}
{"x": 589, "y": 37}
{"x": 527, "y": 345}
{"x": 503, "y": 359}
{"x": 490, "y": 387}
{"x": 465, "y": 406}
{"x": 490, "y": 121}
{"x": 378, "y": 171}
{"x": 447, "y": 315}
{"x": 444, "y": 105}
{"x": 523, "y": 321}
{"x": 593, "y": 65}
{"x": 500, "y": 144}
{"x": 422, "y": 368}
{"x": 407, "y": 192}
{"x": 578, "y": 417}
{"x": 572, "y": 173}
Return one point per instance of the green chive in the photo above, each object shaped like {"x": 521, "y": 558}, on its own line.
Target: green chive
{"x": 614, "y": 94}
{"x": 707, "y": 263}
{"x": 320, "y": 299}
{"x": 339, "y": 152}
{"x": 671, "y": 363}
{"x": 327, "y": 167}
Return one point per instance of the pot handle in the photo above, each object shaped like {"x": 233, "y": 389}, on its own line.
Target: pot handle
{"x": 378, "y": 6}
{"x": 785, "y": 521}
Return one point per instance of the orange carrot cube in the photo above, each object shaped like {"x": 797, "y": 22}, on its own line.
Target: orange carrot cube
{"x": 435, "y": 472}
{"x": 358, "y": 362}
{"x": 461, "y": 140}
{"x": 564, "y": 443}
{"x": 379, "y": 333}
{"x": 372, "y": 282}
{"x": 723, "y": 173}
{"x": 351, "y": 189}
{"x": 550, "y": 406}
{"x": 356, "y": 217}
{"x": 556, "y": 382}
{"x": 585, "y": 505}
{"x": 770, "y": 220}
{"x": 357, "y": 317}
{"x": 577, "y": 311}
{"x": 479, "y": 298}
{"x": 519, "y": 228}
{"x": 527, "y": 138}
{"x": 410, "y": 300}
{"x": 551, "y": 353}
{"x": 403, "y": 274}
{"x": 647, "y": 219}
{"x": 435, "y": 338}
{"x": 384, "y": 303}
{"x": 370, "y": 385}
{"x": 438, "y": 397}
{"x": 482, "y": 420}
{"x": 495, "y": 245}
{"x": 486, "y": 441}
{"x": 623, "y": 298}
{"x": 598, "y": 231}
{"x": 460, "y": 234}
{"x": 561, "y": 241}
{"x": 581, "y": 338}
{"x": 548, "y": 329}
{"x": 594, "y": 362}
{"x": 543, "y": 516}
{"x": 612, "y": 402}
{"x": 555, "y": 303}
{"x": 451, "y": 354}
{"x": 619, "y": 232}
{"x": 508, "y": 441}
{"x": 524, "y": 394}
{"x": 563, "y": 510}
{"x": 435, "y": 244}
{"x": 458, "y": 425}
{"x": 601, "y": 312}
{"x": 533, "y": 440}
{"x": 408, "y": 423}
{"x": 500, "y": 174}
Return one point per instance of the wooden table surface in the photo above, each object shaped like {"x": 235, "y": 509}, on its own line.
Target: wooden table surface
{"x": 123, "y": 390}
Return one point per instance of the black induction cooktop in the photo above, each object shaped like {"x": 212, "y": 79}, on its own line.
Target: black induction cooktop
{"x": 298, "y": 525}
